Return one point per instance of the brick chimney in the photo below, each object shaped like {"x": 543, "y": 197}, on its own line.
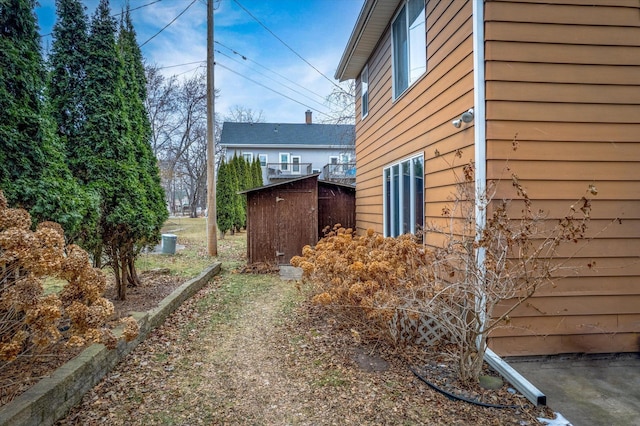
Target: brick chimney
{"x": 308, "y": 116}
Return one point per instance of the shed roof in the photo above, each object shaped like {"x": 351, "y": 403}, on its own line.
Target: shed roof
{"x": 287, "y": 135}
{"x": 279, "y": 183}
{"x": 311, "y": 176}
{"x": 374, "y": 18}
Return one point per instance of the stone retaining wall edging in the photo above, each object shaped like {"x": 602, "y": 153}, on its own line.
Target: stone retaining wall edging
{"x": 50, "y": 399}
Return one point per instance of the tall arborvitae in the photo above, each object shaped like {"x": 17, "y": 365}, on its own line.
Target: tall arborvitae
{"x": 256, "y": 173}
{"x": 238, "y": 168}
{"x": 67, "y": 71}
{"x": 107, "y": 159}
{"x": 21, "y": 83}
{"x": 33, "y": 172}
{"x": 226, "y": 198}
{"x": 151, "y": 203}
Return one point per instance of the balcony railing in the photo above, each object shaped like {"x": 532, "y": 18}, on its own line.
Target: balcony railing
{"x": 343, "y": 172}
{"x": 287, "y": 170}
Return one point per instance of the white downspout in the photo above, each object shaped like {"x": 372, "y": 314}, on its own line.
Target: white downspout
{"x": 480, "y": 134}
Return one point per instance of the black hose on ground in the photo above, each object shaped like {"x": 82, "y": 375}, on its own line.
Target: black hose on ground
{"x": 454, "y": 397}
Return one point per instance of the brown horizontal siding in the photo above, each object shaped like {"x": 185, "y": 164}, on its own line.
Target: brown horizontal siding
{"x": 420, "y": 120}
{"x": 563, "y": 112}
{"x": 621, "y": 14}
{"x": 564, "y": 169}
{"x": 549, "y": 151}
{"x": 562, "y": 131}
{"x": 562, "y": 93}
{"x": 578, "y": 305}
{"x": 592, "y": 286}
{"x": 563, "y": 83}
{"x": 570, "y": 34}
{"x": 563, "y": 53}
{"x": 568, "y": 343}
{"x": 578, "y": 324}
{"x": 620, "y": 75}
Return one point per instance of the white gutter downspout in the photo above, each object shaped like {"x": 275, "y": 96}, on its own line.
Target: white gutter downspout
{"x": 480, "y": 134}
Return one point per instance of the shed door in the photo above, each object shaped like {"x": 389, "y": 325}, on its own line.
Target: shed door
{"x": 296, "y": 223}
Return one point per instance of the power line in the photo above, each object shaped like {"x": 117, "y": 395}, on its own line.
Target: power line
{"x": 117, "y": 14}
{"x": 274, "y": 91}
{"x": 266, "y": 76}
{"x": 180, "y": 65}
{"x": 288, "y": 47}
{"x": 172, "y": 21}
{"x": 276, "y": 73}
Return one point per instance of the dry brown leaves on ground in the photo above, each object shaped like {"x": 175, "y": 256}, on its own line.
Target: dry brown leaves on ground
{"x": 19, "y": 375}
{"x": 272, "y": 361}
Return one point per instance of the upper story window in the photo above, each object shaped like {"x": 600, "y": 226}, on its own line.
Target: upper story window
{"x": 264, "y": 159}
{"x": 248, "y": 157}
{"x": 364, "y": 85}
{"x": 409, "y": 45}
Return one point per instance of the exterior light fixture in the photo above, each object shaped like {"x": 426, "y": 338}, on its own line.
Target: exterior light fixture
{"x": 466, "y": 117}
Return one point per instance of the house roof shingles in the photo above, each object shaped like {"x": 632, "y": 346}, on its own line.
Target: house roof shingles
{"x": 287, "y": 135}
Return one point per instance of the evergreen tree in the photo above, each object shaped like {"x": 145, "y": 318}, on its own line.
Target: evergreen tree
{"x": 257, "y": 174}
{"x": 106, "y": 161}
{"x": 152, "y": 210}
{"x": 33, "y": 170}
{"x": 67, "y": 71}
{"x": 226, "y": 198}
{"x": 239, "y": 170}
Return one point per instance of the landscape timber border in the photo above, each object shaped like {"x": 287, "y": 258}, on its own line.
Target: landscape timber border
{"x": 52, "y": 397}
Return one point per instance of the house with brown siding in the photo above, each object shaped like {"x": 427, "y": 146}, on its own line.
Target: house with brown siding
{"x": 442, "y": 83}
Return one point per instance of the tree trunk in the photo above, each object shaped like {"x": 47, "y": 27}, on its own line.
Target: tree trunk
{"x": 124, "y": 280}
{"x": 134, "y": 279}
{"x": 121, "y": 286}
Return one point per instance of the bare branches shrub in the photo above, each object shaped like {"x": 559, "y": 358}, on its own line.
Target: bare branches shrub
{"x": 30, "y": 320}
{"x": 485, "y": 273}
{"x": 470, "y": 283}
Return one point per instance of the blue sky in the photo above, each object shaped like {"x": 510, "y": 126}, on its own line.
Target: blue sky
{"x": 317, "y": 30}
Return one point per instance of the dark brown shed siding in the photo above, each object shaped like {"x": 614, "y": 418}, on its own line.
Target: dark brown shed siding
{"x": 336, "y": 205}
{"x": 281, "y": 220}
{"x": 563, "y": 80}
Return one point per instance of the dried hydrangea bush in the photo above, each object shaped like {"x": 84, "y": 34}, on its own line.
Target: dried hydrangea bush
{"x": 32, "y": 321}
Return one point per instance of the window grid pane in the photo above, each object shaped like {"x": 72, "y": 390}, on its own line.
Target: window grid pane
{"x": 403, "y": 195}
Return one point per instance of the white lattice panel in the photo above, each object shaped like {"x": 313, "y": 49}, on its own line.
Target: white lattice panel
{"x": 423, "y": 329}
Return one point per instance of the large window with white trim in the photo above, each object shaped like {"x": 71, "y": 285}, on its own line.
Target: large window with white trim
{"x": 403, "y": 195}
{"x": 409, "y": 45}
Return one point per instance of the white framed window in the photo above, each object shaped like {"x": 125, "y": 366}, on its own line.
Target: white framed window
{"x": 364, "y": 89}
{"x": 264, "y": 159}
{"x": 333, "y": 159}
{"x": 248, "y": 157}
{"x": 295, "y": 164}
{"x": 408, "y": 45}
{"x": 403, "y": 196}
{"x": 285, "y": 159}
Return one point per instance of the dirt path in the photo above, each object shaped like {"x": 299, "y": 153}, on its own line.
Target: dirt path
{"x": 244, "y": 351}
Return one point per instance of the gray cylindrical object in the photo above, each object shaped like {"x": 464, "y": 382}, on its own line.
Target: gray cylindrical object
{"x": 169, "y": 243}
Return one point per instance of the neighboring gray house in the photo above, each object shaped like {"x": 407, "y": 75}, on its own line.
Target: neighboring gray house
{"x": 287, "y": 151}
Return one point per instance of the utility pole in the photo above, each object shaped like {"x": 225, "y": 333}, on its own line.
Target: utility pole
{"x": 212, "y": 239}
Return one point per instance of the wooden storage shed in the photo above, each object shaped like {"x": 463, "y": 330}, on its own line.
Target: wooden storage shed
{"x": 336, "y": 204}
{"x": 284, "y": 217}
